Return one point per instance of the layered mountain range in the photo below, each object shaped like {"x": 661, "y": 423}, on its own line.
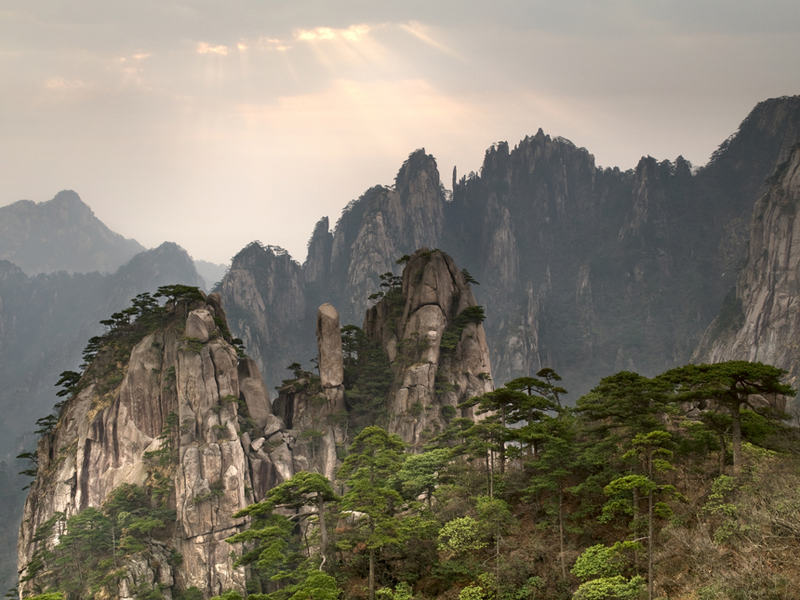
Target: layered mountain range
{"x": 585, "y": 270}
{"x": 582, "y": 269}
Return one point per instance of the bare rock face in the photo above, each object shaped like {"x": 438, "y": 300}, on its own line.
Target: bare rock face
{"x": 311, "y": 408}
{"x": 255, "y": 393}
{"x": 761, "y": 321}
{"x": 329, "y": 340}
{"x": 178, "y": 395}
{"x": 265, "y": 296}
{"x": 384, "y": 224}
{"x": 437, "y": 347}
{"x": 318, "y": 263}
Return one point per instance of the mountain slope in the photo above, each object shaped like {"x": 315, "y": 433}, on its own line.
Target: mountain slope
{"x": 760, "y": 319}
{"x": 61, "y": 234}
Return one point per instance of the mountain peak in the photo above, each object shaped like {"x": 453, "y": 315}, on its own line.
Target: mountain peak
{"x": 62, "y": 234}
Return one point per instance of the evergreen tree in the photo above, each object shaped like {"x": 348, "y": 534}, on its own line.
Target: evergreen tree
{"x": 730, "y": 385}
{"x": 374, "y": 457}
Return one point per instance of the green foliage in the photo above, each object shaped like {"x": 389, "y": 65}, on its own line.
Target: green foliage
{"x": 275, "y": 548}
{"x": 390, "y": 284}
{"x": 452, "y": 335}
{"x": 468, "y": 277}
{"x": 193, "y": 345}
{"x": 725, "y": 513}
{"x": 460, "y": 536}
{"x": 367, "y": 379}
{"x": 611, "y": 588}
{"x": 229, "y": 595}
{"x": 191, "y": 593}
{"x": 604, "y": 561}
{"x": 421, "y": 473}
{"x": 402, "y": 591}
{"x": 730, "y": 385}
{"x": 174, "y": 293}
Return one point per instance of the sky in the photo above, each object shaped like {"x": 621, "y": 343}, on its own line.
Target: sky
{"x": 214, "y": 124}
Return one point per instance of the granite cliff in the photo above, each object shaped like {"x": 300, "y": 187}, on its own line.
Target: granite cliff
{"x": 433, "y": 335}
{"x": 584, "y": 269}
{"x": 760, "y": 318}
{"x": 45, "y": 321}
{"x": 176, "y": 397}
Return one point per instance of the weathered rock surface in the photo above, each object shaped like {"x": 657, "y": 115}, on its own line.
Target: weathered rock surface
{"x": 264, "y": 292}
{"x": 428, "y": 375}
{"x": 46, "y": 320}
{"x": 761, "y": 320}
{"x": 178, "y": 394}
{"x": 329, "y": 341}
{"x": 252, "y": 388}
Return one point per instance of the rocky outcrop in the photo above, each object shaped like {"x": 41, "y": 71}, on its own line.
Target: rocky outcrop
{"x": 760, "y": 321}
{"x": 312, "y": 409}
{"x": 583, "y": 269}
{"x": 392, "y": 221}
{"x": 178, "y": 394}
{"x": 436, "y": 344}
{"x": 46, "y": 320}
{"x": 316, "y": 269}
{"x": 265, "y": 295}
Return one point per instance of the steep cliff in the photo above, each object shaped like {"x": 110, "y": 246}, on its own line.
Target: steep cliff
{"x": 312, "y": 409}
{"x": 433, "y": 334}
{"x": 265, "y": 295}
{"x": 171, "y": 412}
{"x": 760, "y": 320}
{"x": 161, "y": 413}
{"x": 384, "y": 224}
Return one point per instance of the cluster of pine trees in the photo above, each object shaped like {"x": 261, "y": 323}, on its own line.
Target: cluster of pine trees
{"x": 686, "y": 485}
{"x": 646, "y": 488}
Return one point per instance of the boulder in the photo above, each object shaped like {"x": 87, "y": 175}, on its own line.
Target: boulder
{"x": 255, "y": 393}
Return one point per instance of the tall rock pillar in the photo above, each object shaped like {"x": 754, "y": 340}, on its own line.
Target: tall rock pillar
{"x": 331, "y": 371}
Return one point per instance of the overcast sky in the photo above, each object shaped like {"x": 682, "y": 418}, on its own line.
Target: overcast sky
{"x": 213, "y": 124}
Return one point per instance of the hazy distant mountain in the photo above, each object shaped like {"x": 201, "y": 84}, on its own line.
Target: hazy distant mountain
{"x": 61, "y": 234}
{"x": 210, "y": 272}
{"x": 46, "y": 320}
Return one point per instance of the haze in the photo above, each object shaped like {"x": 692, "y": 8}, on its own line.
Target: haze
{"x": 215, "y": 124}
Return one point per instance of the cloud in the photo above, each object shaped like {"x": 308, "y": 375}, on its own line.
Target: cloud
{"x": 354, "y": 33}
{"x": 61, "y": 84}
{"x": 203, "y": 48}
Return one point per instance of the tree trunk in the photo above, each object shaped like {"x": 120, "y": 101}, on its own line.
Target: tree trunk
{"x": 371, "y": 574}
{"x": 561, "y": 526}
{"x": 650, "y": 549}
{"x": 650, "y": 527}
{"x": 323, "y": 530}
{"x": 503, "y": 445}
{"x": 488, "y": 475}
{"x": 736, "y": 434}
